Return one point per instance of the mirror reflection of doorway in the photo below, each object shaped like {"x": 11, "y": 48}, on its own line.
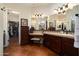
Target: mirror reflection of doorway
{"x": 13, "y": 30}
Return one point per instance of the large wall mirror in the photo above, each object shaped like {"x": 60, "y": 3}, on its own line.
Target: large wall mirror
{"x": 57, "y": 21}
{"x": 53, "y": 23}
{"x": 60, "y": 22}
{"x": 39, "y": 23}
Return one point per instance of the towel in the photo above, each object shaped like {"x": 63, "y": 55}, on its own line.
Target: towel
{"x": 76, "y": 41}
{"x": 76, "y": 34}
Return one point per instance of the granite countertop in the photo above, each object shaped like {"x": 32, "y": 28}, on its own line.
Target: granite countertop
{"x": 53, "y": 33}
{"x": 60, "y": 34}
{"x": 36, "y": 33}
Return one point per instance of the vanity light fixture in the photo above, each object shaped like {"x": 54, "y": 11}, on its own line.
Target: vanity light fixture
{"x": 3, "y": 9}
{"x": 71, "y": 5}
{"x": 63, "y": 9}
{"x": 37, "y": 15}
{"x": 66, "y": 6}
{"x": 59, "y": 12}
{"x": 55, "y": 11}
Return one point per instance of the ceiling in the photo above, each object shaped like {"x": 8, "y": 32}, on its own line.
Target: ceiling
{"x": 30, "y": 4}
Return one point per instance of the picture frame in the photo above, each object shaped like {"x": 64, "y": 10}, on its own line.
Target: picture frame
{"x": 24, "y": 22}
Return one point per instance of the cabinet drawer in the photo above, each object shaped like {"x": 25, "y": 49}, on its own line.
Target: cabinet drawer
{"x": 68, "y": 40}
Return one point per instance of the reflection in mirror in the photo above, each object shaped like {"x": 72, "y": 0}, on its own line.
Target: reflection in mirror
{"x": 52, "y": 25}
{"x": 60, "y": 23}
{"x": 39, "y": 23}
{"x": 72, "y": 25}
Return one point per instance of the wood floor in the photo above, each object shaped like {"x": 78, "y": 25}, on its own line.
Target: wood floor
{"x": 14, "y": 49}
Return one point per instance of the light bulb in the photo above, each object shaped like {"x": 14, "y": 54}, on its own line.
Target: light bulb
{"x": 55, "y": 11}
{"x": 71, "y": 5}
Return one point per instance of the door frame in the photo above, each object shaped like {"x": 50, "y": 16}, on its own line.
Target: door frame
{"x": 18, "y": 13}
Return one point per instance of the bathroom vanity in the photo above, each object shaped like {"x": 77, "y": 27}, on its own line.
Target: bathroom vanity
{"x": 61, "y": 43}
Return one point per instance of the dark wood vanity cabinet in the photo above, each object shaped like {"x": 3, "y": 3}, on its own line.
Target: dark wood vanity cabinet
{"x": 61, "y": 45}
{"x": 24, "y": 35}
{"x": 68, "y": 47}
{"x": 47, "y": 41}
{"x": 53, "y": 43}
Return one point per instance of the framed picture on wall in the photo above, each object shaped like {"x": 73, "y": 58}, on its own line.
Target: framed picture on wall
{"x": 50, "y": 24}
{"x": 42, "y": 26}
{"x": 24, "y": 22}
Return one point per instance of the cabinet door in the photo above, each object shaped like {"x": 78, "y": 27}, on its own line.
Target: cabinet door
{"x": 56, "y": 44}
{"x": 68, "y": 47}
{"x": 24, "y": 35}
{"x": 46, "y": 40}
{"x": 53, "y": 42}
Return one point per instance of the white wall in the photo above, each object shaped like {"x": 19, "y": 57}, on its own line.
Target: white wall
{"x": 13, "y": 17}
{"x": 46, "y": 9}
{"x": 5, "y": 27}
{"x": 1, "y": 32}
{"x": 70, "y": 14}
{"x": 25, "y": 12}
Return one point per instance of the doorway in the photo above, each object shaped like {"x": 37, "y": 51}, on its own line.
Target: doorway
{"x": 13, "y": 32}
{"x": 13, "y": 27}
